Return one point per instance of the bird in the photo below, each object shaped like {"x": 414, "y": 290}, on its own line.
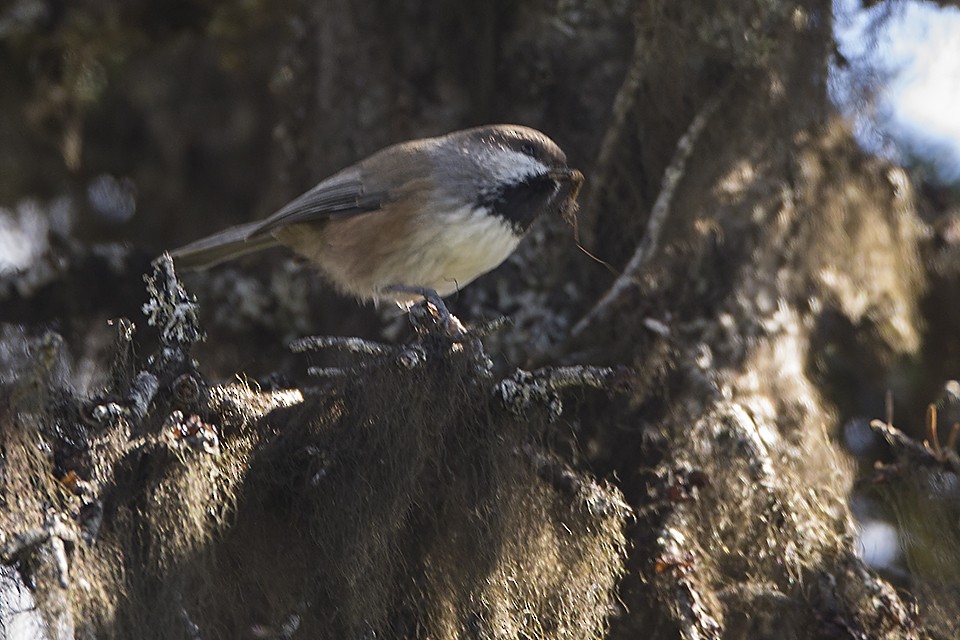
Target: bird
{"x": 416, "y": 220}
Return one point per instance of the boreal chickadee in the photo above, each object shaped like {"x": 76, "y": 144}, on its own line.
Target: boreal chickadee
{"x": 423, "y": 215}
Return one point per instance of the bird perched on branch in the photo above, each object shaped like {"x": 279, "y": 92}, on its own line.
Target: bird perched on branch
{"x": 419, "y": 219}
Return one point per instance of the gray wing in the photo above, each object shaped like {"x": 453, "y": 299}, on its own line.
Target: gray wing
{"x": 226, "y": 245}
{"x": 362, "y": 188}
{"x": 341, "y": 195}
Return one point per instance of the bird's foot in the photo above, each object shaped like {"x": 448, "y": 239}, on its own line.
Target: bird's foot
{"x": 430, "y": 312}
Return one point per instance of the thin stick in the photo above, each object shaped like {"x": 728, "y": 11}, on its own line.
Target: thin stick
{"x": 355, "y": 345}
{"x": 933, "y": 439}
{"x": 648, "y": 246}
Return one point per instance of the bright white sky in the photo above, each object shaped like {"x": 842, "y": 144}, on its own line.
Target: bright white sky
{"x": 919, "y": 47}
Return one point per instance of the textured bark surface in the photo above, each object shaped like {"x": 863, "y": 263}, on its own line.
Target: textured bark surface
{"x": 645, "y": 450}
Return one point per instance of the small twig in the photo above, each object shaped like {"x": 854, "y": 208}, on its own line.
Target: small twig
{"x": 486, "y": 328}
{"x": 557, "y": 378}
{"x": 925, "y": 453}
{"x": 933, "y": 443}
{"x": 933, "y": 440}
{"x": 523, "y": 389}
{"x": 407, "y": 356}
{"x": 330, "y": 372}
{"x": 661, "y": 208}
{"x": 353, "y": 345}
{"x": 170, "y": 307}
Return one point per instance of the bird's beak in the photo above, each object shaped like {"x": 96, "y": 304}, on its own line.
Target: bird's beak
{"x": 570, "y": 180}
{"x": 573, "y": 177}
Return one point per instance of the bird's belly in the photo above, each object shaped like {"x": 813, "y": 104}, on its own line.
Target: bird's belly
{"x": 450, "y": 252}
{"x": 363, "y": 255}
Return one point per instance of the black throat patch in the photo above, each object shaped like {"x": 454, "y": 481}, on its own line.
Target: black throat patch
{"x": 520, "y": 203}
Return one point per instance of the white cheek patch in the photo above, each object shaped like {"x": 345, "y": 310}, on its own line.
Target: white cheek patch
{"x": 511, "y": 167}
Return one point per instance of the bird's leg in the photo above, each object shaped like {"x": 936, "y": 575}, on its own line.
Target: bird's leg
{"x": 447, "y": 320}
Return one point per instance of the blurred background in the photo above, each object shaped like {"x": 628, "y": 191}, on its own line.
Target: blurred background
{"x": 151, "y": 124}
{"x": 129, "y": 128}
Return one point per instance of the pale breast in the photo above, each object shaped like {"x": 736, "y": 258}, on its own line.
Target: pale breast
{"x": 460, "y": 246}
{"x": 364, "y": 254}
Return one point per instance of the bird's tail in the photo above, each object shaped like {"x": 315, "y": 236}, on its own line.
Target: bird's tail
{"x": 220, "y": 247}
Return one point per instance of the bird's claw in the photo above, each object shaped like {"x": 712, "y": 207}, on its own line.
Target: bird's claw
{"x": 431, "y": 312}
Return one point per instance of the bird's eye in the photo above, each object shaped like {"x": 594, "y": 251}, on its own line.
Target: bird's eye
{"x": 527, "y": 149}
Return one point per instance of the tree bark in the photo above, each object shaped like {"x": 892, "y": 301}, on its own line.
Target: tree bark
{"x": 648, "y": 450}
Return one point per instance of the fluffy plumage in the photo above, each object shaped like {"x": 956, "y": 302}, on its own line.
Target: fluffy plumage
{"x": 433, "y": 213}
